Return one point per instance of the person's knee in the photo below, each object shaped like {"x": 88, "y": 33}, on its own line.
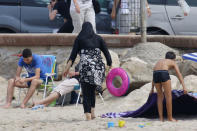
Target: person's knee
{"x": 11, "y": 81}
{"x": 57, "y": 94}
{"x": 160, "y": 96}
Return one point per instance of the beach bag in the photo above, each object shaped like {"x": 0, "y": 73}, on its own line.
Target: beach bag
{"x": 61, "y": 99}
{"x": 96, "y": 5}
{"x": 74, "y": 97}
{"x": 70, "y": 98}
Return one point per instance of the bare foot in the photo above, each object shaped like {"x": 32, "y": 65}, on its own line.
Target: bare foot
{"x": 88, "y": 116}
{"x": 35, "y": 103}
{"x": 93, "y": 117}
{"x": 32, "y": 105}
{"x": 162, "y": 120}
{"x": 6, "y": 106}
{"x": 172, "y": 119}
{"x": 22, "y": 106}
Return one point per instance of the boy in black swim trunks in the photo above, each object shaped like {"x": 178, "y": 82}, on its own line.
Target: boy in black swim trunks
{"x": 161, "y": 80}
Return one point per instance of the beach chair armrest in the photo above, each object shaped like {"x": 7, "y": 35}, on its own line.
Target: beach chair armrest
{"x": 50, "y": 74}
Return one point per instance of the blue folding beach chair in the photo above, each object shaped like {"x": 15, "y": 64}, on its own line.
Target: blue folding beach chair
{"x": 49, "y": 62}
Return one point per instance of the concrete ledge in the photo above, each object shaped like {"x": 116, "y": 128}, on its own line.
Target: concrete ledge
{"x": 121, "y": 41}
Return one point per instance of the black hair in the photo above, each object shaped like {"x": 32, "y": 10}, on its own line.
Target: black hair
{"x": 27, "y": 53}
{"x": 170, "y": 55}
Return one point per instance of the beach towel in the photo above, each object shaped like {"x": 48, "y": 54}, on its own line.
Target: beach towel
{"x": 182, "y": 104}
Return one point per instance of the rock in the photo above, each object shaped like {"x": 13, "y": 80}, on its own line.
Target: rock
{"x": 175, "y": 83}
{"x": 115, "y": 59}
{"x": 138, "y": 71}
{"x": 2, "y": 79}
{"x": 115, "y": 63}
{"x": 120, "y": 51}
{"x": 8, "y": 63}
{"x": 3, "y": 90}
{"x": 149, "y": 52}
{"x": 60, "y": 70}
{"x": 190, "y": 83}
{"x": 188, "y": 67}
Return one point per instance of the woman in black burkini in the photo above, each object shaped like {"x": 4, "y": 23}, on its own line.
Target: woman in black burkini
{"x": 63, "y": 8}
{"x": 91, "y": 68}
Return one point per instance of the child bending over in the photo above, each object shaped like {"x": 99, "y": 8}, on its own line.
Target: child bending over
{"x": 162, "y": 82}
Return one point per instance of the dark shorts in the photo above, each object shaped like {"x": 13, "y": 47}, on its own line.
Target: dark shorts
{"x": 160, "y": 76}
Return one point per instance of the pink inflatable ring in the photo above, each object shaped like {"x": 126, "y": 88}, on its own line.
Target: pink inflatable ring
{"x": 125, "y": 82}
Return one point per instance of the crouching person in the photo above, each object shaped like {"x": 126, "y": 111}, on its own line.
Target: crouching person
{"x": 36, "y": 75}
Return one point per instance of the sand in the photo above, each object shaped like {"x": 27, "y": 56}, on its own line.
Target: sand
{"x": 71, "y": 118}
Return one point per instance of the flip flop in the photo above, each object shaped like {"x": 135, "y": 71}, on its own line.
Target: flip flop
{"x": 37, "y": 107}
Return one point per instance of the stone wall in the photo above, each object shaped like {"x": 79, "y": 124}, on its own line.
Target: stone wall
{"x": 138, "y": 61}
{"x": 136, "y": 58}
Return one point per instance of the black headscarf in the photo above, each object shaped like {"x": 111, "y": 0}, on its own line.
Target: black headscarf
{"x": 87, "y": 32}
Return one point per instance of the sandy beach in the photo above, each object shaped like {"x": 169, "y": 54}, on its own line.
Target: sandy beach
{"x": 71, "y": 118}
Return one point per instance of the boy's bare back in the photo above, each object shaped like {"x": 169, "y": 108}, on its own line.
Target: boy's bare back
{"x": 164, "y": 64}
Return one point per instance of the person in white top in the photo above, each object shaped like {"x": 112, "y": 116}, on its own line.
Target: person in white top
{"x": 125, "y": 15}
{"x": 82, "y": 11}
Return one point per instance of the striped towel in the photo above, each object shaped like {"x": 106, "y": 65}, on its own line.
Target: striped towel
{"x": 190, "y": 56}
{"x": 113, "y": 115}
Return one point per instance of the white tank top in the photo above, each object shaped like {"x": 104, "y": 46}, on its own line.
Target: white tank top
{"x": 83, "y": 4}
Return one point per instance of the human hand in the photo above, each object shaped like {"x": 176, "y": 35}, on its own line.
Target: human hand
{"x": 77, "y": 9}
{"x": 71, "y": 74}
{"x": 185, "y": 14}
{"x": 65, "y": 73}
{"x": 17, "y": 79}
{"x": 67, "y": 68}
{"x": 113, "y": 15}
{"x": 49, "y": 7}
{"x": 21, "y": 80}
{"x": 184, "y": 91}
{"x": 149, "y": 12}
